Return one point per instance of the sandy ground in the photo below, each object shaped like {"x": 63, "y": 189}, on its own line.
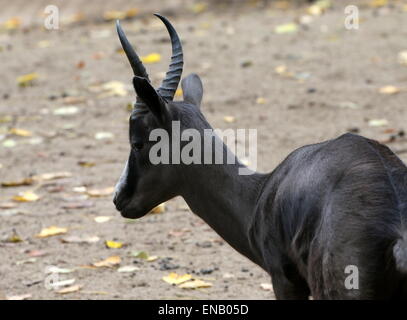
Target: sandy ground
{"x": 330, "y": 86}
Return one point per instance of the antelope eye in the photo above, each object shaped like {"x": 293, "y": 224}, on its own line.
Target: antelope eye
{"x": 138, "y": 145}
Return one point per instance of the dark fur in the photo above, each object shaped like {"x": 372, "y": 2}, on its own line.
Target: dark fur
{"x": 326, "y": 206}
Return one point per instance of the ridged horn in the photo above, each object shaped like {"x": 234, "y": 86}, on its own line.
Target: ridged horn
{"x": 173, "y": 76}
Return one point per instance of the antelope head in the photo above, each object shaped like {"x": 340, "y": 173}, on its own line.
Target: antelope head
{"x": 143, "y": 185}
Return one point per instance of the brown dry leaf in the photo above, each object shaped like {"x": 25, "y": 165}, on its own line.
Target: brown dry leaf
{"x": 174, "y": 278}
{"x": 195, "y": 284}
{"x": 159, "y": 209}
{"x": 20, "y": 297}
{"x": 70, "y": 289}
{"x": 23, "y": 182}
{"x": 86, "y": 164}
{"x": 20, "y": 132}
{"x": 51, "y": 231}
{"x": 113, "y": 244}
{"x": 27, "y": 79}
{"x": 27, "y": 196}
{"x": 100, "y": 192}
{"x": 109, "y": 262}
{"x": 7, "y": 205}
{"x": 389, "y": 90}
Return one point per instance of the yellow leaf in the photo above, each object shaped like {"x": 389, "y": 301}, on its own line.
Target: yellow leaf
{"x": 176, "y": 279}
{"x": 199, "y": 7}
{"x": 51, "y": 231}
{"x": 12, "y": 23}
{"x": 27, "y": 196}
{"x": 178, "y": 93}
{"x": 132, "y": 12}
{"x": 229, "y": 119}
{"x": 100, "y": 192}
{"x": 151, "y": 258}
{"x": 109, "y": 262}
{"x": 389, "y": 90}
{"x": 113, "y": 15}
{"x": 23, "y": 182}
{"x": 260, "y": 100}
{"x": 158, "y": 209}
{"x": 113, "y": 244}
{"x": 286, "y": 28}
{"x": 20, "y": 132}
{"x": 14, "y": 238}
{"x": 195, "y": 284}
{"x": 151, "y": 58}
{"x": 378, "y": 3}
{"x": 70, "y": 289}
{"x": 27, "y": 79}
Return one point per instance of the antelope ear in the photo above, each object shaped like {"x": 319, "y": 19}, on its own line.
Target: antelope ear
{"x": 192, "y": 89}
{"x": 154, "y": 102}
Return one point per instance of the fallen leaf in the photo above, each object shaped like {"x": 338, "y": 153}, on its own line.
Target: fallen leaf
{"x": 52, "y": 176}
{"x": 128, "y": 269}
{"x": 19, "y": 297}
{"x": 178, "y": 92}
{"x": 286, "y": 28}
{"x": 140, "y": 254}
{"x": 389, "y": 90}
{"x": 62, "y": 283}
{"x": 402, "y": 57}
{"x": 159, "y": 209}
{"x": 378, "y": 122}
{"x": 20, "y": 132}
{"x": 109, "y": 262}
{"x": 111, "y": 89}
{"x": 9, "y": 143}
{"x": 174, "y": 278}
{"x": 82, "y": 239}
{"x": 22, "y": 182}
{"x": 27, "y": 196}
{"x": 102, "y": 219}
{"x": 199, "y": 7}
{"x": 86, "y": 164}
{"x": 14, "y": 238}
{"x": 113, "y": 244}
{"x": 266, "y": 286}
{"x": 54, "y": 269}
{"x": 27, "y": 79}
{"x": 66, "y": 111}
{"x": 51, "y": 231}
{"x": 100, "y": 192}
{"x": 7, "y": 205}
{"x": 195, "y": 284}
{"x": 70, "y": 289}
{"x": 378, "y": 3}
{"x": 229, "y": 119}
{"x": 104, "y": 135}
{"x": 36, "y": 253}
{"x": 12, "y": 23}
{"x": 151, "y": 58}
{"x": 260, "y": 100}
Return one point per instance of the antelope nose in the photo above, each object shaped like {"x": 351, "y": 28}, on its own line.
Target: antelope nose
{"x": 120, "y": 201}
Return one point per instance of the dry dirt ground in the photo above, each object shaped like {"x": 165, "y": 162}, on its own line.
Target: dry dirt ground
{"x": 330, "y": 86}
